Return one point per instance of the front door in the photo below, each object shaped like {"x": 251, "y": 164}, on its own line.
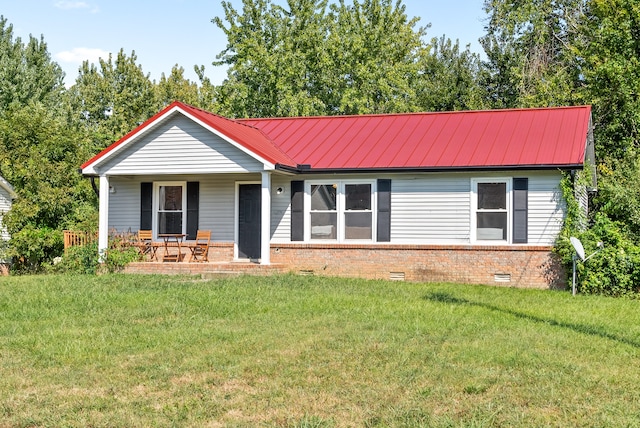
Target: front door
{"x": 249, "y": 221}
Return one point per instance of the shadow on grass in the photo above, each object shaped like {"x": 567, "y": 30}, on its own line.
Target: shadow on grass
{"x": 578, "y": 328}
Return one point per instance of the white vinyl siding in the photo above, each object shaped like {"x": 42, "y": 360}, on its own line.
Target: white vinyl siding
{"x": 431, "y": 209}
{"x": 280, "y": 209}
{"x": 546, "y": 208}
{"x": 5, "y": 205}
{"x": 180, "y": 146}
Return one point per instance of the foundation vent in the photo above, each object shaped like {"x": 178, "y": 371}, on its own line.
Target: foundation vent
{"x": 396, "y": 276}
{"x": 306, "y": 272}
{"x": 502, "y": 277}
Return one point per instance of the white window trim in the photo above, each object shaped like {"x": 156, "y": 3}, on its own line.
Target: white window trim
{"x": 156, "y": 198}
{"x": 340, "y": 204}
{"x": 474, "y": 210}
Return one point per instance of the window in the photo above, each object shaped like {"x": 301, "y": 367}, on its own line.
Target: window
{"x": 170, "y": 203}
{"x": 324, "y": 211}
{"x": 340, "y": 211}
{"x": 490, "y": 212}
{"x": 358, "y": 215}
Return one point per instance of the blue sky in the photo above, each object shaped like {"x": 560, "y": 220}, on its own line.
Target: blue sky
{"x": 168, "y": 32}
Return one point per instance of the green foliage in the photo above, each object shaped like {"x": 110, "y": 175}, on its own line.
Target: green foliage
{"x": 81, "y": 259}
{"x": 610, "y": 53}
{"x": 619, "y": 193}
{"x": 119, "y": 255}
{"x": 615, "y": 270}
{"x": 313, "y": 57}
{"x": 85, "y": 259}
{"x": 27, "y": 73}
{"x": 448, "y": 78}
{"x": 31, "y": 248}
{"x": 110, "y": 100}
{"x": 528, "y": 45}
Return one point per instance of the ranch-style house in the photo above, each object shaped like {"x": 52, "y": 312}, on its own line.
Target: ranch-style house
{"x": 467, "y": 196}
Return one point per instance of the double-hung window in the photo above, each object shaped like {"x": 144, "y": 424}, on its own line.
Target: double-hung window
{"x": 170, "y": 201}
{"x": 340, "y": 210}
{"x": 490, "y": 214}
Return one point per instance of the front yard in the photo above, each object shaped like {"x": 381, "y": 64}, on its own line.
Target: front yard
{"x": 291, "y": 351}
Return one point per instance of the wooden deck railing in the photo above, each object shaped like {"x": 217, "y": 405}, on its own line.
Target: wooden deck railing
{"x": 72, "y": 239}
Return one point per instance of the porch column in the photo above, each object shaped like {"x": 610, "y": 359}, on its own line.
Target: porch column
{"x": 265, "y": 247}
{"x": 103, "y": 223}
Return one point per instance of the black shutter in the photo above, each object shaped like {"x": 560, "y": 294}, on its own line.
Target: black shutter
{"x": 384, "y": 210}
{"x": 146, "y": 209}
{"x": 297, "y": 210}
{"x": 193, "y": 208}
{"x": 520, "y": 208}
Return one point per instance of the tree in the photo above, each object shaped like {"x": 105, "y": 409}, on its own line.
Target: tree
{"x": 610, "y": 67}
{"x": 113, "y": 99}
{"x": 448, "y": 78}
{"x": 176, "y": 87}
{"x": 268, "y": 53}
{"x": 375, "y": 49}
{"x": 314, "y": 58}
{"x": 27, "y": 73}
{"x": 530, "y": 60}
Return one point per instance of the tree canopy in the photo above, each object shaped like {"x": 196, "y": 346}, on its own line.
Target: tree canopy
{"x": 312, "y": 57}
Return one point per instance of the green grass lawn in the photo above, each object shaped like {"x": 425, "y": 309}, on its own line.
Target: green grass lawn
{"x": 290, "y": 351}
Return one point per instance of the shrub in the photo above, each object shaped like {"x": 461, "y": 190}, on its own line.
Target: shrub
{"x": 33, "y": 248}
{"x": 118, "y": 256}
{"x": 614, "y": 270}
{"x": 78, "y": 259}
{"x": 84, "y": 259}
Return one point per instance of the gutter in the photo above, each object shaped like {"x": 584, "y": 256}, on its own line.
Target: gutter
{"x": 307, "y": 169}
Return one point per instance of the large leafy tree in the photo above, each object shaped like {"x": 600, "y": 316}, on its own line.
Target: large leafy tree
{"x": 530, "y": 60}
{"x": 375, "y": 49}
{"x": 610, "y": 59}
{"x": 276, "y": 58}
{"x": 448, "y": 78}
{"x": 176, "y": 87}
{"x": 39, "y": 151}
{"x": 27, "y": 73}
{"x": 112, "y": 98}
{"x": 611, "y": 76}
{"x": 312, "y": 57}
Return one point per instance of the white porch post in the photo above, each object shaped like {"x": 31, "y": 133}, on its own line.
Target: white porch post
{"x": 265, "y": 247}
{"x": 103, "y": 224}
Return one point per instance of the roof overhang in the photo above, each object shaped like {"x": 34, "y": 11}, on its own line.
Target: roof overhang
{"x": 472, "y": 168}
{"x": 6, "y": 186}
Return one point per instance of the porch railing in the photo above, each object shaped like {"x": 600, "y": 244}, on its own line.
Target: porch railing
{"x": 72, "y": 239}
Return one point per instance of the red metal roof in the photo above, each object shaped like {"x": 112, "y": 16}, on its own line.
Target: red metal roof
{"x": 549, "y": 137}
{"x": 464, "y": 139}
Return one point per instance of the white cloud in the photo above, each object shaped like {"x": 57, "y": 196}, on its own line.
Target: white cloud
{"x": 71, "y": 4}
{"x": 77, "y": 55}
{"x": 68, "y": 5}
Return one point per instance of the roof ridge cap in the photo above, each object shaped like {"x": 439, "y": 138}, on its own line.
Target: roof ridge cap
{"x": 414, "y": 113}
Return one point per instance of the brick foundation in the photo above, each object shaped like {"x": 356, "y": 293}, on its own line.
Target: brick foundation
{"x": 4, "y": 269}
{"x": 514, "y": 266}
